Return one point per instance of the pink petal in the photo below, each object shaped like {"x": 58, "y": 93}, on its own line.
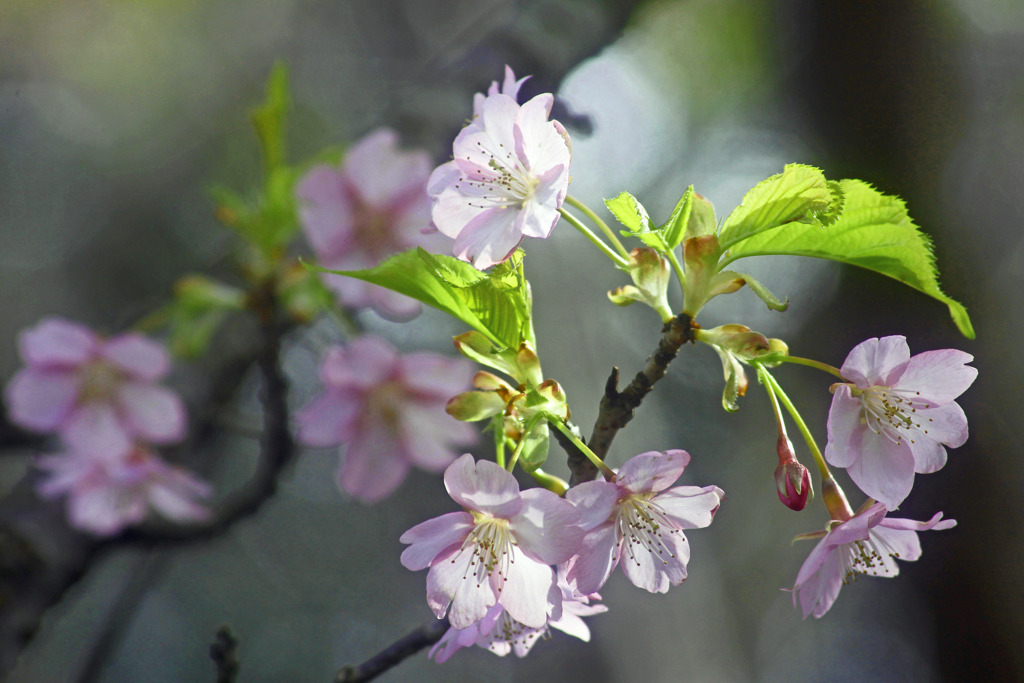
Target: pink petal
{"x": 57, "y": 343}
{"x": 426, "y": 433}
{"x": 153, "y": 412}
{"x": 936, "y": 522}
{"x": 845, "y": 428}
{"x": 373, "y": 465}
{"x": 41, "y": 400}
{"x": 652, "y": 471}
{"x": 364, "y": 363}
{"x": 139, "y": 356}
{"x": 327, "y": 420}
{"x": 94, "y": 430}
{"x": 429, "y": 374}
{"x": 483, "y": 486}
{"x": 325, "y": 211}
{"x": 817, "y": 590}
{"x": 595, "y": 501}
{"x": 525, "y": 593}
{"x": 896, "y": 543}
{"x": 431, "y": 538}
{"x": 871, "y": 362}
{"x": 884, "y": 471}
{"x": 940, "y": 376}
{"x": 381, "y": 173}
{"x": 690, "y": 507}
{"x": 657, "y": 572}
{"x": 489, "y": 238}
{"x": 929, "y": 456}
{"x": 595, "y": 560}
{"x": 946, "y": 424}
{"x": 546, "y": 527}
{"x": 453, "y": 587}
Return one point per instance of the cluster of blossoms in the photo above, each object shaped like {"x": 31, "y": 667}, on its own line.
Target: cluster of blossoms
{"x": 514, "y": 563}
{"x": 894, "y": 418}
{"x": 101, "y": 397}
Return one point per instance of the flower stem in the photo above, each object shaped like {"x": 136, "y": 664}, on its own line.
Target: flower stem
{"x": 671, "y": 254}
{"x": 775, "y": 390}
{"x": 824, "y": 367}
{"x": 608, "y": 473}
{"x": 609, "y": 233}
{"x": 530, "y": 426}
{"x": 616, "y": 258}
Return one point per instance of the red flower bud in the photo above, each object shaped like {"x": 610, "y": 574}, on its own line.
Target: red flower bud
{"x": 792, "y": 480}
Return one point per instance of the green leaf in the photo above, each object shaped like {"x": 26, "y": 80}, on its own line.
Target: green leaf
{"x": 495, "y": 304}
{"x": 874, "y": 232}
{"x": 269, "y": 118}
{"x": 630, "y": 212}
{"x": 799, "y": 193}
{"x": 675, "y": 229}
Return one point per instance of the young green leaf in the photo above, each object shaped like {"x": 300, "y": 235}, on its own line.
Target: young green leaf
{"x": 495, "y": 304}
{"x": 675, "y": 229}
{"x": 800, "y": 193}
{"x": 269, "y": 118}
{"x": 873, "y": 232}
{"x": 632, "y": 214}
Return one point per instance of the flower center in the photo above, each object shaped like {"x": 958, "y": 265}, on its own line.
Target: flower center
{"x": 866, "y": 557}
{"x": 100, "y": 381}
{"x": 642, "y": 524}
{"x": 384, "y": 402}
{"x": 508, "y": 630}
{"x": 492, "y": 546}
{"x": 510, "y": 185}
{"x": 891, "y": 412}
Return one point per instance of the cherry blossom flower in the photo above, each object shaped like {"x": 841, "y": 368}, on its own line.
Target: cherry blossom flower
{"x": 371, "y": 207}
{"x": 639, "y": 519}
{"x": 106, "y": 494}
{"x": 100, "y": 395}
{"x": 896, "y": 415}
{"x": 509, "y": 86}
{"x": 508, "y": 177}
{"x": 868, "y": 543}
{"x": 388, "y": 410}
{"x": 497, "y": 551}
{"x": 501, "y": 634}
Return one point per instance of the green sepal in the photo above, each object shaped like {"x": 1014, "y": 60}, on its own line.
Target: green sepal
{"x": 535, "y": 450}
{"x": 770, "y": 300}
{"x": 496, "y": 304}
{"x": 200, "y": 306}
{"x": 873, "y": 232}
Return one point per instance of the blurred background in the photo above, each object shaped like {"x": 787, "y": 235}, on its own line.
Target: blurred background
{"x": 115, "y": 118}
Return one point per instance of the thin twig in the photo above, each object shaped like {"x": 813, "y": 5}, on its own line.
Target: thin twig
{"x": 424, "y": 636}
{"x": 617, "y": 407}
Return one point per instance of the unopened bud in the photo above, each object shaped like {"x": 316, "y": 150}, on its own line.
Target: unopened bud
{"x": 793, "y": 483}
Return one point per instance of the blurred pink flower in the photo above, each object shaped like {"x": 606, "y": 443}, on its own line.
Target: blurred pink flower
{"x": 867, "y": 543}
{"x": 100, "y": 395}
{"x": 371, "y": 207}
{"x": 498, "y": 632}
{"x": 896, "y": 415}
{"x": 497, "y": 551}
{"x": 640, "y": 520}
{"x": 388, "y": 410}
{"x": 508, "y": 177}
{"x": 106, "y": 494}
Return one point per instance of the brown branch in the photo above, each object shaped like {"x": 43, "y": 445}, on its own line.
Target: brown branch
{"x": 424, "y": 636}
{"x": 225, "y": 656}
{"x": 617, "y": 407}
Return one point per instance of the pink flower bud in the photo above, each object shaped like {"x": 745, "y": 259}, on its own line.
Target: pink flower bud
{"x": 792, "y": 479}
